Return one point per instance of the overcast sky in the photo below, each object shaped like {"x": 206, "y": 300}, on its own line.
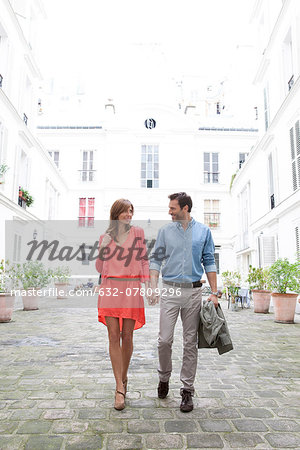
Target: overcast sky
{"x": 112, "y": 45}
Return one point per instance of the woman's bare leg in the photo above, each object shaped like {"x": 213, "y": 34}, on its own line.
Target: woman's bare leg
{"x": 115, "y": 352}
{"x": 127, "y": 345}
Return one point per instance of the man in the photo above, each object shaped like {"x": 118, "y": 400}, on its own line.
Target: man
{"x": 188, "y": 247}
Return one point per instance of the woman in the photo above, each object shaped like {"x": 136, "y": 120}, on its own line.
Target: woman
{"x": 123, "y": 265}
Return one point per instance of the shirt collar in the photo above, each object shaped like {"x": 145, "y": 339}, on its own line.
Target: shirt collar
{"x": 191, "y": 223}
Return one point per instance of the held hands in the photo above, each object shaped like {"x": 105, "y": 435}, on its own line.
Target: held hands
{"x": 152, "y": 295}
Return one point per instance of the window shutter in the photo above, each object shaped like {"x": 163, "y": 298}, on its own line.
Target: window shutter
{"x": 294, "y": 174}
{"x": 268, "y": 250}
{"x": 297, "y": 242}
{"x": 292, "y": 143}
{"x": 266, "y": 108}
{"x": 82, "y": 207}
{"x": 297, "y": 133}
{"x": 3, "y": 143}
{"x": 295, "y": 155}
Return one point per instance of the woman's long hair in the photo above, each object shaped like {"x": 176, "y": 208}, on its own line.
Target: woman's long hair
{"x": 118, "y": 207}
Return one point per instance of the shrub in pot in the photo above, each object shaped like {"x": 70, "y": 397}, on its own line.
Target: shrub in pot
{"x": 258, "y": 282}
{"x": 34, "y": 276}
{"x": 25, "y": 196}
{"x": 61, "y": 276}
{"x": 8, "y": 282}
{"x": 231, "y": 283}
{"x": 284, "y": 281}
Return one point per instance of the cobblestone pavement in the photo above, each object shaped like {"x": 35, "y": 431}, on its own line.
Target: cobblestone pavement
{"x": 57, "y": 387}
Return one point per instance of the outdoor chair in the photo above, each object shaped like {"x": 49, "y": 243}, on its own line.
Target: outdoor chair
{"x": 243, "y": 297}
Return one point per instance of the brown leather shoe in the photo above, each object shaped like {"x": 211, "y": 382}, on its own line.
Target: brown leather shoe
{"x": 163, "y": 389}
{"x": 119, "y": 405}
{"x": 187, "y": 401}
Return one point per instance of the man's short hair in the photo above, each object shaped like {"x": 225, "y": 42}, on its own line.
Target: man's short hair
{"x": 183, "y": 199}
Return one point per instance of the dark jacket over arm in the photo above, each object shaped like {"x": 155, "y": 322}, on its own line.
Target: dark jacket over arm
{"x": 213, "y": 330}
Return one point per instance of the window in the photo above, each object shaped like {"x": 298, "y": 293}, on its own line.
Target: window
{"x": 17, "y": 247}
{"x": 217, "y": 261}
{"x": 295, "y": 154}
{"x": 266, "y": 250}
{"x": 242, "y": 158}
{"x": 4, "y": 49}
{"x": 24, "y": 168}
{"x": 51, "y": 203}
{"x": 55, "y": 156}
{"x": 87, "y": 172}
{"x": 211, "y": 167}
{"x": 244, "y": 218}
{"x": 86, "y": 255}
{"x": 288, "y": 62}
{"x": 149, "y": 166}
{"x": 212, "y": 213}
{"x": 27, "y": 100}
{"x": 3, "y": 145}
{"x": 86, "y": 215}
{"x": 266, "y": 107}
{"x": 271, "y": 182}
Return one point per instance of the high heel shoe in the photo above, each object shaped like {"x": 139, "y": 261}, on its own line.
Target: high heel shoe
{"x": 119, "y": 405}
{"x": 125, "y": 385}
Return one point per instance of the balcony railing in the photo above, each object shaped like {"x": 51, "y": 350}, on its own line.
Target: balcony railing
{"x": 1, "y": 80}
{"x": 21, "y": 202}
{"x": 212, "y": 219}
{"x": 291, "y": 82}
{"x": 272, "y": 201}
{"x": 86, "y": 222}
{"x": 25, "y": 119}
{"x": 87, "y": 175}
{"x": 211, "y": 177}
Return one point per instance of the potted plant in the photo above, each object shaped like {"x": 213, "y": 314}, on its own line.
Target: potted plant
{"x": 61, "y": 276}
{"x": 284, "y": 281}
{"x": 258, "y": 282}
{"x": 25, "y": 199}
{"x": 34, "y": 276}
{"x": 3, "y": 169}
{"x": 8, "y": 282}
{"x": 231, "y": 283}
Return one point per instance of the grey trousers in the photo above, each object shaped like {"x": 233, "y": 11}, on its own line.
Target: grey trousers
{"x": 189, "y": 306}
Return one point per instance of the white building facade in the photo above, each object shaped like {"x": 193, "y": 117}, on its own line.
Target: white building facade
{"x": 266, "y": 190}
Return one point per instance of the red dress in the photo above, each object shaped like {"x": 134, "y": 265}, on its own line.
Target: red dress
{"x": 122, "y": 269}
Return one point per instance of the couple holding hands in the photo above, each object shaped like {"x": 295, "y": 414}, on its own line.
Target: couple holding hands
{"x": 188, "y": 250}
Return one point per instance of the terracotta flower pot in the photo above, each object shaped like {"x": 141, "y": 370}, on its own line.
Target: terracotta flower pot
{"x": 261, "y": 300}
{"x": 62, "y": 290}
{"x": 284, "y": 307}
{"x": 30, "y": 300}
{"x": 7, "y": 302}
